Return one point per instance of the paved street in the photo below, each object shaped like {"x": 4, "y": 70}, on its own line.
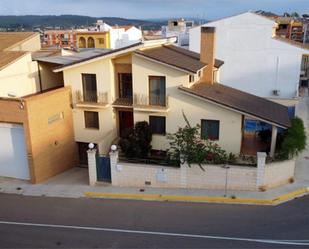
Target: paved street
{"x": 101, "y": 223}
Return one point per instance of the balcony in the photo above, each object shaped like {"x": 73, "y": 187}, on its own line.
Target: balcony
{"x": 90, "y": 99}
{"x": 144, "y": 103}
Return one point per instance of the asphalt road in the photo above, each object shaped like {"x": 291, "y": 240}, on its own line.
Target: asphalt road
{"x": 44, "y": 222}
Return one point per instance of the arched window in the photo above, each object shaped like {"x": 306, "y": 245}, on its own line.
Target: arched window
{"x": 82, "y": 42}
{"x": 90, "y": 42}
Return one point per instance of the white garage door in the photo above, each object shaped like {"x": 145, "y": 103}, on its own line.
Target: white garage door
{"x": 13, "y": 153}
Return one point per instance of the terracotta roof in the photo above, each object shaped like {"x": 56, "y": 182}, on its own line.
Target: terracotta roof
{"x": 241, "y": 101}
{"x": 8, "y": 57}
{"x": 218, "y": 63}
{"x": 173, "y": 57}
{"x": 293, "y": 43}
{"x": 10, "y": 39}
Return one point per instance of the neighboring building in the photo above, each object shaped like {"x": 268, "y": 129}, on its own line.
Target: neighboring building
{"x": 93, "y": 39}
{"x": 156, "y": 81}
{"x": 256, "y": 61}
{"x": 290, "y": 28}
{"x": 59, "y": 38}
{"x": 20, "y": 75}
{"x": 37, "y": 135}
{"x": 19, "y": 41}
{"x": 180, "y": 29}
{"x": 106, "y": 36}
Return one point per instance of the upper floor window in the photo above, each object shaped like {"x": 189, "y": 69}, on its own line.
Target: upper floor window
{"x": 210, "y": 129}
{"x": 89, "y": 88}
{"x": 101, "y": 40}
{"x": 157, "y": 90}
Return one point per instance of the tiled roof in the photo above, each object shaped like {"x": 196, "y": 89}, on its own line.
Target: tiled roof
{"x": 241, "y": 101}
{"x": 293, "y": 43}
{"x": 218, "y": 63}
{"x": 8, "y": 57}
{"x": 173, "y": 57}
{"x": 9, "y": 39}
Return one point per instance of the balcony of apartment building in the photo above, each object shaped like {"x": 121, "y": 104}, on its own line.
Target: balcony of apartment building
{"x": 124, "y": 91}
{"x": 89, "y": 97}
{"x": 156, "y": 100}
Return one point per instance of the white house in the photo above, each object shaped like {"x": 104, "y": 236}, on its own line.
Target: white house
{"x": 120, "y": 36}
{"x": 255, "y": 60}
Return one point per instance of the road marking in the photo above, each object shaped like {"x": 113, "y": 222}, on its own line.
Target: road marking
{"x": 281, "y": 242}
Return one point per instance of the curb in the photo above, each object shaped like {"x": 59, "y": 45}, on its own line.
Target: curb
{"x": 208, "y": 199}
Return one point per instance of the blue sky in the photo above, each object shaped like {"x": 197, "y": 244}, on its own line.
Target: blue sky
{"x": 143, "y": 9}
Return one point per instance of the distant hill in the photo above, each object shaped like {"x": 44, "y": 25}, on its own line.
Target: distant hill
{"x": 29, "y": 22}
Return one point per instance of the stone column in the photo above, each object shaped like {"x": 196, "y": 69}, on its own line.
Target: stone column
{"x": 113, "y": 155}
{"x": 273, "y": 140}
{"x": 92, "y": 166}
{"x": 261, "y": 161}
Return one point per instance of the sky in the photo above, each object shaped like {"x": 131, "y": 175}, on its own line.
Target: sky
{"x": 149, "y": 9}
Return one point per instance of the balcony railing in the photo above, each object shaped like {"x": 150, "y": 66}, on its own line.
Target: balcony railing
{"x": 145, "y": 102}
{"x": 91, "y": 98}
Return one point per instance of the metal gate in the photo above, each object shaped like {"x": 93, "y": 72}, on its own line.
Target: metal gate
{"x": 103, "y": 169}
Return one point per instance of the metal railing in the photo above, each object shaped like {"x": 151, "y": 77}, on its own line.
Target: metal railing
{"x": 144, "y": 100}
{"x": 89, "y": 97}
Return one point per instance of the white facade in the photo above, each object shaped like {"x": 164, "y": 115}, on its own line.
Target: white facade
{"x": 254, "y": 61}
{"x": 120, "y": 37}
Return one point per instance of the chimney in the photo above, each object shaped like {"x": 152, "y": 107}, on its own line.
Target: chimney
{"x": 207, "y": 53}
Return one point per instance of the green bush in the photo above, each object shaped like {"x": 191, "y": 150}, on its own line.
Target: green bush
{"x": 187, "y": 146}
{"x": 293, "y": 140}
{"x": 137, "y": 142}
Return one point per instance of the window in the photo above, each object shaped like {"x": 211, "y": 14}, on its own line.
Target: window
{"x": 89, "y": 88}
{"x": 191, "y": 78}
{"x": 101, "y": 40}
{"x": 210, "y": 129}
{"x": 157, "y": 90}
{"x": 91, "y": 120}
{"x": 157, "y": 125}
{"x": 199, "y": 74}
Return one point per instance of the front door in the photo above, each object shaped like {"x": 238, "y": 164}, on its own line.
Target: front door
{"x": 125, "y": 85}
{"x": 125, "y": 122}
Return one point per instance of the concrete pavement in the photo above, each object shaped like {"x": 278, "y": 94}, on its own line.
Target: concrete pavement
{"x": 48, "y": 222}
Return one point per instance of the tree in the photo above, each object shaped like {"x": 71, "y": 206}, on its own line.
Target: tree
{"x": 294, "y": 139}
{"x": 187, "y": 146}
{"x": 137, "y": 141}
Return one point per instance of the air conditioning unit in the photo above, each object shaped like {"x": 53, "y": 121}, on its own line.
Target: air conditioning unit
{"x": 276, "y": 92}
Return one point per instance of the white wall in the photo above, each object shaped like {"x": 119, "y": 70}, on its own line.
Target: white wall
{"x": 121, "y": 38}
{"x": 244, "y": 42}
{"x": 20, "y": 78}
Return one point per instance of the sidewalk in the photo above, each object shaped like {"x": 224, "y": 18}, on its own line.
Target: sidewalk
{"x": 74, "y": 184}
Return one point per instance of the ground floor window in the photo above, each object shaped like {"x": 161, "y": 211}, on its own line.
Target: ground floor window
{"x": 210, "y": 129}
{"x": 92, "y": 120}
{"x": 157, "y": 125}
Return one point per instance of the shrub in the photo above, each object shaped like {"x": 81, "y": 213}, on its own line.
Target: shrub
{"x": 136, "y": 143}
{"x": 294, "y": 140}
{"x": 187, "y": 146}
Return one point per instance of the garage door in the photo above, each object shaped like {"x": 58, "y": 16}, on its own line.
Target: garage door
{"x": 13, "y": 154}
